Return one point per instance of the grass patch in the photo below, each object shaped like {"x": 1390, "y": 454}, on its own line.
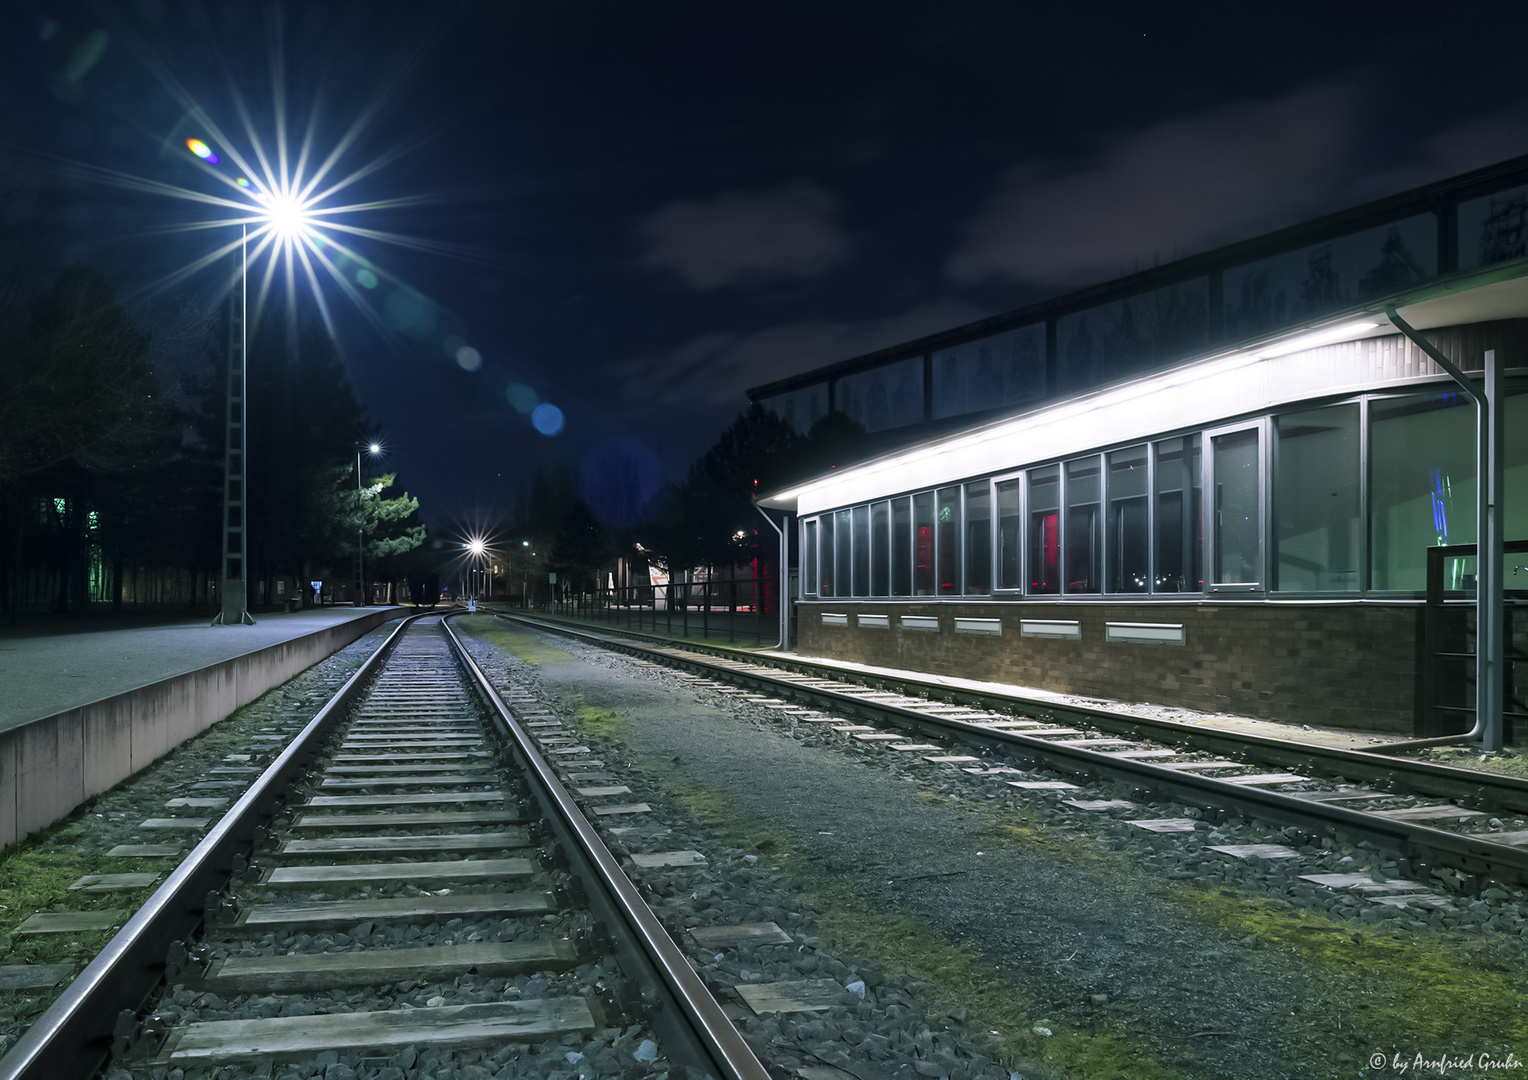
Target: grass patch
{"x": 600, "y": 722}
{"x": 1418, "y": 992}
{"x": 531, "y": 648}
{"x": 1508, "y": 762}
{"x": 36, "y": 875}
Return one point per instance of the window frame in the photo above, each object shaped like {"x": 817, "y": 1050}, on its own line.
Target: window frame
{"x": 1259, "y": 425}
{"x": 1017, "y": 476}
{"x": 1106, "y": 501}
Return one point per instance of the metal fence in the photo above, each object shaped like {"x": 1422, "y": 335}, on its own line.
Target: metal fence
{"x": 736, "y": 610}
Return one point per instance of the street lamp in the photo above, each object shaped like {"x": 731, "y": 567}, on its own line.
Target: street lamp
{"x": 234, "y": 556}
{"x": 477, "y": 548}
{"x": 374, "y": 449}
{"x": 286, "y": 217}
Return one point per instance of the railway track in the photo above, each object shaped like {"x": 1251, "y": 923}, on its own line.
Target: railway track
{"x": 407, "y": 883}
{"x": 1440, "y": 819}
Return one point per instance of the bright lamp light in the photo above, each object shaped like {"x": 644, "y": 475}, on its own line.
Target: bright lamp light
{"x": 287, "y": 216}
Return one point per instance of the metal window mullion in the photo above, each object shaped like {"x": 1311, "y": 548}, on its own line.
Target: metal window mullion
{"x": 1151, "y": 518}
{"x": 1365, "y": 583}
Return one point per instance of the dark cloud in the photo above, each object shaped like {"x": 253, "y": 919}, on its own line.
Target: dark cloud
{"x": 1165, "y": 192}
{"x": 747, "y": 236}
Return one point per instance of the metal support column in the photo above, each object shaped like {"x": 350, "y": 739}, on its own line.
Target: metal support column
{"x": 1490, "y": 627}
{"x": 783, "y": 531}
{"x": 1490, "y": 691}
{"x": 233, "y": 560}
{"x": 359, "y": 596}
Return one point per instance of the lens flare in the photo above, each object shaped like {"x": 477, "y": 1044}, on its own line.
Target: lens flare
{"x": 547, "y": 418}
{"x": 365, "y": 278}
{"x": 203, "y": 151}
{"x": 469, "y": 358}
{"x": 522, "y": 397}
{"x": 243, "y": 183}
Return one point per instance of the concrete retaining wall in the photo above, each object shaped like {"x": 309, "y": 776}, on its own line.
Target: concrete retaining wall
{"x": 50, "y": 765}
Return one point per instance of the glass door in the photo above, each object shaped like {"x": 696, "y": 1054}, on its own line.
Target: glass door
{"x": 1234, "y": 467}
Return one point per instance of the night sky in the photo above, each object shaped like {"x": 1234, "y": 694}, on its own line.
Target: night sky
{"x": 633, "y": 211}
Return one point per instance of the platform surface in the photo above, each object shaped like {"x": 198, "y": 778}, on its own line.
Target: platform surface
{"x": 1344, "y": 738}
{"x": 51, "y": 673}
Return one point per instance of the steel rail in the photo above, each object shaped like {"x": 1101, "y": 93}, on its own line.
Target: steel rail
{"x": 684, "y": 1010}
{"x": 1420, "y": 777}
{"x": 1431, "y": 846}
{"x": 73, "y": 1037}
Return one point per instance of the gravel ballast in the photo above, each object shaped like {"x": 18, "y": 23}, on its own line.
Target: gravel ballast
{"x": 1021, "y": 932}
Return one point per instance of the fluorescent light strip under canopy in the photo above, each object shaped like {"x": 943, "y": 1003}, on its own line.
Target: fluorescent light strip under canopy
{"x": 1193, "y": 395}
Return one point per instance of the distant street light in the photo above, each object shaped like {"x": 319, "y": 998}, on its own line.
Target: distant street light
{"x": 360, "y": 522}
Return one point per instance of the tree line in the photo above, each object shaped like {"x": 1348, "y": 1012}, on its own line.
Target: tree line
{"x": 111, "y": 472}
{"x": 706, "y": 520}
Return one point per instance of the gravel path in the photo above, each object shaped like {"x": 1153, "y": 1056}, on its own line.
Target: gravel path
{"x": 1170, "y": 960}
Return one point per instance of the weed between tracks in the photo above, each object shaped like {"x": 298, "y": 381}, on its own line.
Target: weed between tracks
{"x": 1401, "y": 993}
{"x": 526, "y": 646}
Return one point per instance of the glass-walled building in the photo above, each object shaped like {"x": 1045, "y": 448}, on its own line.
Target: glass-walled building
{"x": 1239, "y": 456}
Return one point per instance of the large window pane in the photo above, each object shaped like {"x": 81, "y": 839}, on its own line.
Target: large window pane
{"x": 1082, "y": 520}
{"x": 902, "y": 546}
{"x": 1421, "y": 484}
{"x": 884, "y": 397}
{"x": 880, "y": 516}
{"x": 1129, "y": 538}
{"x": 1179, "y": 547}
{"x": 1005, "y": 369}
{"x": 947, "y": 539}
{"x": 861, "y": 518}
{"x": 825, "y": 545}
{"x": 923, "y": 544}
{"x": 1315, "y": 500}
{"x": 1045, "y": 530}
{"x": 978, "y": 539}
{"x": 1008, "y": 550}
{"x": 1238, "y": 526}
{"x": 809, "y": 558}
{"x": 843, "y": 550}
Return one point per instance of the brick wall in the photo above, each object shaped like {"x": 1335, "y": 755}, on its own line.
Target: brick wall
{"x": 1337, "y": 665}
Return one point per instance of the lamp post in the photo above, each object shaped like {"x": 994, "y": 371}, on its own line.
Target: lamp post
{"x": 286, "y": 215}
{"x": 477, "y": 550}
{"x": 233, "y": 558}
{"x": 360, "y": 523}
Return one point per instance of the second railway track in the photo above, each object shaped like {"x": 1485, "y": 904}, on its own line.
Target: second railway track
{"x": 1436, "y": 817}
{"x": 410, "y": 883}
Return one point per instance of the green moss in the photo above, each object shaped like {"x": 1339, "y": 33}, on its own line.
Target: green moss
{"x": 1421, "y": 991}
{"x": 36, "y": 875}
{"x": 952, "y": 977}
{"x": 1507, "y": 762}
{"x": 948, "y": 977}
{"x": 531, "y": 648}
{"x": 600, "y": 722}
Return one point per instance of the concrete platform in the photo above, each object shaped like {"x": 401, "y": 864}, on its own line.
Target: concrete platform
{"x": 1291, "y": 732}
{"x": 51, "y": 673}
{"x": 82, "y": 712}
